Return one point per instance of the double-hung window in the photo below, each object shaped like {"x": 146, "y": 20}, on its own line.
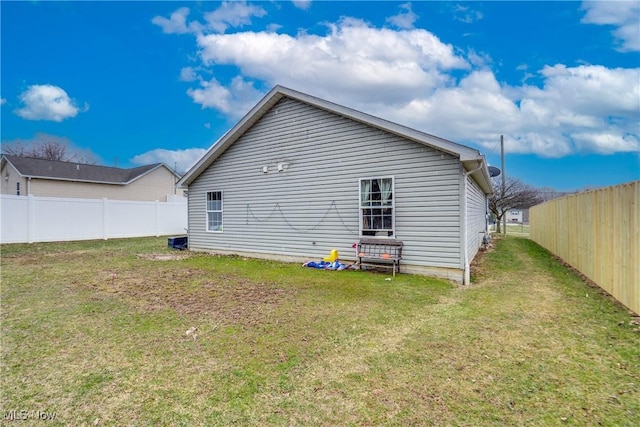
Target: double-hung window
{"x": 214, "y": 211}
{"x": 377, "y": 207}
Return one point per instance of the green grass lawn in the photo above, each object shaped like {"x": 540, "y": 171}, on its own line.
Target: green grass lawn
{"x": 96, "y": 333}
{"x": 519, "y": 230}
{"x": 514, "y": 229}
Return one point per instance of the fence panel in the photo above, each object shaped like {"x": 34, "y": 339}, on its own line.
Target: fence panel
{"x": 55, "y": 219}
{"x": 14, "y": 219}
{"x": 598, "y": 233}
{"x": 47, "y": 219}
{"x": 120, "y": 222}
{"x": 172, "y": 218}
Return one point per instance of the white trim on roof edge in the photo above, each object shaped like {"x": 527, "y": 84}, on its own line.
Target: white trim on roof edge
{"x": 159, "y": 165}
{"x": 469, "y": 157}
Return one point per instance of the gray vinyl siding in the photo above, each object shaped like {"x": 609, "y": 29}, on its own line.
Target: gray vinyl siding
{"x": 476, "y": 217}
{"x": 313, "y": 206}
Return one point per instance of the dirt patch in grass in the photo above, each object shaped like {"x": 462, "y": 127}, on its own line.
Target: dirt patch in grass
{"x": 478, "y": 268}
{"x": 193, "y": 292}
{"x": 100, "y": 335}
{"x": 164, "y": 257}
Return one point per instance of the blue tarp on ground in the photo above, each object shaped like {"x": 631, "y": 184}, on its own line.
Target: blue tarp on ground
{"x": 324, "y": 265}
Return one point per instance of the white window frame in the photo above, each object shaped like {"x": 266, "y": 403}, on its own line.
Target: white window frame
{"x": 213, "y": 211}
{"x": 371, "y": 205}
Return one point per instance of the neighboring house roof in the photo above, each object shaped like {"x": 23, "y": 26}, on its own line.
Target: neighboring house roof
{"x": 30, "y": 167}
{"x": 472, "y": 159}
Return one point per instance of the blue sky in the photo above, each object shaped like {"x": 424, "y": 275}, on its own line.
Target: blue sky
{"x": 145, "y": 82}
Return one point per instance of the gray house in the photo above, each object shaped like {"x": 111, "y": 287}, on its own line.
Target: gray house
{"x": 299, "y": 176}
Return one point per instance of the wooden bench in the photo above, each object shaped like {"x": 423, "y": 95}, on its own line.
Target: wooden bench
{"x": 385, "y": 253}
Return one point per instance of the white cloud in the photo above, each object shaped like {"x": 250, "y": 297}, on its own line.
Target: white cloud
{"x": 273, "y": 27}
{"x": 182, "y": 160}
{"x": 466, "y": 14}
{"x": 354, "y": 60}
{"x": 232, "y": 14}
{"x": 3, "y": 101}
{"x": 580, "y": 109}
{"x": 188, "y": 74}
{"x": 176, "y": 24}
{"x": 624, "y": 15}
{"x": 585, "y": 108}
{"x": 606, "y": 142}
{"x": 593, "y": 89}
{"x": 411, "y": 77}
{"x": 47, "y": 102}
{"x": 404, "y": 19}
{"x": 476, "y": 109}
{"x": 302, "y": 4}
{"x": 213, "y": 95}
{"x": 234, "y": 101}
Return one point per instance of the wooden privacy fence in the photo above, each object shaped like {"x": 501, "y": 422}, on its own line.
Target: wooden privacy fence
{"x": 27, "y": 219}
{"x": 598, "y": 233}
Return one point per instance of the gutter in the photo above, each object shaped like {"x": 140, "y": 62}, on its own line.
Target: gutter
{"x": 466, "y": 280}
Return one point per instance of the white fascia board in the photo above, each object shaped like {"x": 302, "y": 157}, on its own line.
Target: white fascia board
{"x": 159, "y": 165}
{"x": 481, "y": 175}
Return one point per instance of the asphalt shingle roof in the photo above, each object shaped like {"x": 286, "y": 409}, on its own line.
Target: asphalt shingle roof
{"x": 72, "y": 171}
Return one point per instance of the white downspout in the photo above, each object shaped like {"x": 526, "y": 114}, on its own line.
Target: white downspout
{"x": 466, "y": 281}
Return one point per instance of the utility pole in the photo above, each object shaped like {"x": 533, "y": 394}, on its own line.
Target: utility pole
{"x": 504, "y": 217}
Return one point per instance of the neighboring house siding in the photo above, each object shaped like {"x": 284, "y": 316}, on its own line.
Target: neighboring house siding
{"x": 10, "y": 179}
{"x": 515, "y": 215}
{"x": 476, "y": 217}
{"x": 313, "y": 205}
{"x": 155, "y": 185}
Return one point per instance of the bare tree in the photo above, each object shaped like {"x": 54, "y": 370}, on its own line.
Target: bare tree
{"x": 49, "y": 147}
{"x": 15, "y": 148}
{"x": 516, "y": 195}
{"x": 549, "y": 193}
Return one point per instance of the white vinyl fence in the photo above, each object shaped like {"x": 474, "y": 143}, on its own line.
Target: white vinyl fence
{"x": 28, "y": 219}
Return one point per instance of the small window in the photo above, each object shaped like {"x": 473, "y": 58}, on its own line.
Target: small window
{"x": 214, "y": 211}
{"x": 377, "y": 207}
{"x": 17, "y": 188}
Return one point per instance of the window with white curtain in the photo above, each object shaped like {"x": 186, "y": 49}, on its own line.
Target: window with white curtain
{"x": 377, "y": 207}
{"x": 214, "y": 211}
